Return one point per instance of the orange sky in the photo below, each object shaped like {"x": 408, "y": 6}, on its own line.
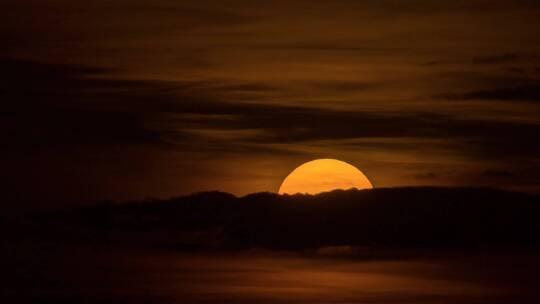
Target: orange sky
{"x": 134, "y": 99}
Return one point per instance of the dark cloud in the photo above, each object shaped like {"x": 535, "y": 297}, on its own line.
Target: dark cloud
{"x": 61, "y": 104}
{"x": 427, "y": 175}
{"x": 526, "y": 93}
{"x": 494, "y": 59}
{"x": 480, "y": 60}
{"x": 73, "y": 105}
{"x": 498, "y": 173}
{"x": 342, "y": 86}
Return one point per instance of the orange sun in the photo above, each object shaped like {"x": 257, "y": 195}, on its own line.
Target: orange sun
{"x": 323, "y": 175}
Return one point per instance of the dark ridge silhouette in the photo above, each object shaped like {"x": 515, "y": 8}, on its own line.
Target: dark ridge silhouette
{"x": 424, "y": 217}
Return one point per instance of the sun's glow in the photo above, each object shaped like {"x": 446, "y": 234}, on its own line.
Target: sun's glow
{"x": 323, "y": 175}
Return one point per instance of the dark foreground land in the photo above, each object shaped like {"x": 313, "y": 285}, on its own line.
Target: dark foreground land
{"x": 407, "y": 245}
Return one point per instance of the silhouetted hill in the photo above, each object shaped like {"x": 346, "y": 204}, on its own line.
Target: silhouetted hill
{"x": 392, "y": 217}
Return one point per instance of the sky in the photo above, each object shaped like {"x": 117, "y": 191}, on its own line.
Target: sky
{"x": 125, "y": 100}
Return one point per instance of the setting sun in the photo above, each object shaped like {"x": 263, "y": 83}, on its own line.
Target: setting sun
{"x": 322, "y": 175}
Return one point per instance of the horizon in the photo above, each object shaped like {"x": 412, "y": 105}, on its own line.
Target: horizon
{"x": 337, "y": 190}
{"x": 353, "y": 189}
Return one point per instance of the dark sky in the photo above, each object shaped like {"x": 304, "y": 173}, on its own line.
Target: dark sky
{"x": 116, "y": 99}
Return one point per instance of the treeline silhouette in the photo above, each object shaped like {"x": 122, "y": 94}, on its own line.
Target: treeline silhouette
{"x": 393, "y": 217}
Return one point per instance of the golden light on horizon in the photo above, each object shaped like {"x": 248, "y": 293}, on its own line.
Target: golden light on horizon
{"x": 323, "y": 175}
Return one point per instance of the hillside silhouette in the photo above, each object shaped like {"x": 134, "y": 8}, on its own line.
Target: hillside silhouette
{"x": 392, "y": 218}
